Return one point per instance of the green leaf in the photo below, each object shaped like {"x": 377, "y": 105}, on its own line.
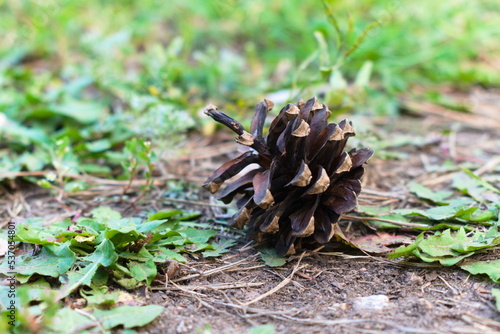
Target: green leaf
{"x": 142, "y": 255}
{"x": 82, "y": 111}
{"x": 374, "y": 210}
{"x": 271, "y": 258}
{"x": 449, "y": 249}
{"x": 104, "y": 213}
{"x": 472, "y": 185}
{"x": 104, "y": 254}
{"x": 143, "y": 271}
{"x": 160, "y": 215}
{"x": 164, "y": 254}
{"x": 221, "y": 247}
{"x": 122, "y": 231}
{"x": 128, "y": 316}
{"x": 128, "y": 283}
{"x": 154, "y": 224}
{"x": 67, "y": 320}
{"x": 100, "y": 145}
{"x": 442, "y": 244}
{"x": 406, "y": 250}
{"x": 437, "y": 197}
{"x": 75, "y": 279}
{"x": 490, "y": 268}
{"x": 262, "y": 329}
{"x": 34, "y": 235}
{"x": 143, "y": 156}
{"x": 91, "y": 168}
{"x": 100, "y": 297}
{"x": 91, "y": 225}
{"x": 53, "y": 261}
{"x": 444, "y": 260}
{"x": 481, "y": 181}
{"x": 198, "y": 236}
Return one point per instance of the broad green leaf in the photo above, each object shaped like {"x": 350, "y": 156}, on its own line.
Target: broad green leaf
{"x": 92, "y": 226}
{"x": 142, "y": 255}
{"x": 437, "y": 197}
{"x": 221, "y": 247}
{"x": 160, "y": 215}
{"x": 262, "y": 329}
{"x": 196, "y": 247}
{"x": 164, "y": 254}
{"x": 122, "y": 232}
{"x": 67, "y": 320}
{"x": 490, "y": 268}
{"x": 442, "y": 244}
{"x": 143, "y": 271}
{"x": 104, "y": 254}
{"x": 53, "y": 261}
{"x": 406, "y": 250}
{"x": 374, "y": 210}
{"x": 480, "y": 240}
{"x": 434, "y": 213}
{"x": 82, "y": 111}
{"x": 91, "y": 168}
{"x": 480, "y": 180}
{"x": 128, "y": 283}
{"x": 270, "y": 257}
{"x": 128, "y": 316}
{"x": 155, "y": 224}
{"x": 104, "y": 213}
{"x": 470, "y": 184}
{"x": 440, "y": 213}
{"x": 173, "y": 238}
{"x": 98, "y": 145}
{"x": 34, "y": 235}
{"x": 100, "y": 297}
{"x": 449, "y": 249}
{"x": 198, "y": 236}
{"x": 77, "y": 278}
{"x": 443, "y": 260}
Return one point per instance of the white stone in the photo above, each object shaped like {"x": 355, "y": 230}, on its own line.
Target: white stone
{"x": 375, "y": 302}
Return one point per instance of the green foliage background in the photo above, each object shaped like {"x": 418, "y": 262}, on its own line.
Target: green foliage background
{"x": 101, "y": 72}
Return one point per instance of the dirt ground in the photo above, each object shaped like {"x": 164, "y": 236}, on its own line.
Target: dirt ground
{"x": 317, "y": 291}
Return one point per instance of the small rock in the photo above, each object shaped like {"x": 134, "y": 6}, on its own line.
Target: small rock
{"x": 181, "y": 328}
{"x": 338, "y": 306}
{"x": 375, "y": 302}
{"x": 425, "y": 304}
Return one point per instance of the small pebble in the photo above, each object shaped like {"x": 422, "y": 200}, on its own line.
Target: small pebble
{"x": 375, "y": 302}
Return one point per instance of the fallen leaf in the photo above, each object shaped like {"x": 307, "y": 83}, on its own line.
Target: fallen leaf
{"x": 378, "y": 244}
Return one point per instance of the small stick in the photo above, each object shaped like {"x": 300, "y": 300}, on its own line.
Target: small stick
{"x": 395, "y": 222}
{"x": 217, "y": 286}
{"x": 279, "y": 286}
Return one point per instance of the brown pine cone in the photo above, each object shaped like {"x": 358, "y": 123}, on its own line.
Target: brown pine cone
{"x": 304, "y": 180}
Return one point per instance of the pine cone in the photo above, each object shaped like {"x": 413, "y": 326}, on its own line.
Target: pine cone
{"x": 304, "y": 180}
